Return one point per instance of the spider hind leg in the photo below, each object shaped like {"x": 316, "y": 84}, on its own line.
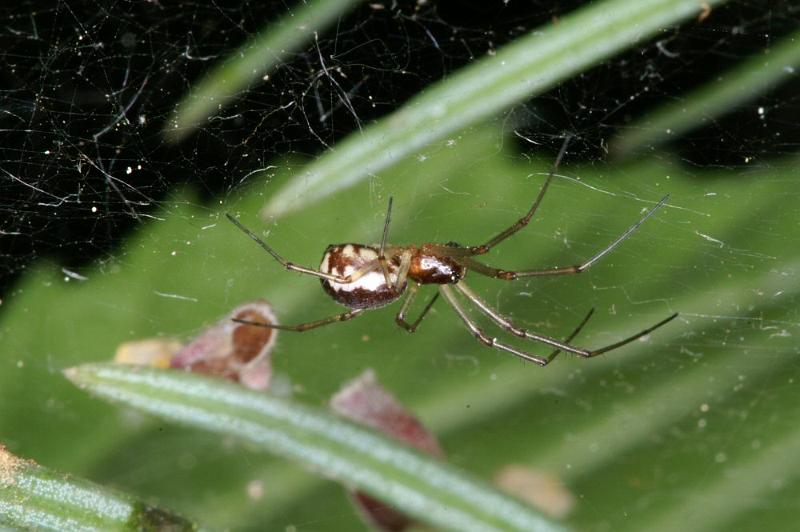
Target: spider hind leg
{"x": 507, "y": 325}
{"x": 400, "y": 318}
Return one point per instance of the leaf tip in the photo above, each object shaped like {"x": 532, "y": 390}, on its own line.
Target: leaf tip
{"x": 71, "y": 373}
{"x": 9, "y": 465}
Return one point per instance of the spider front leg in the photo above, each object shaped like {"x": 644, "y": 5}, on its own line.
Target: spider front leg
{"x": 381, "y": 250}
{"x": 400, "y": 318}
{"x": 522, "y": 222}
{"x": 405, "y": 257}
{"x": 302, "y": 327}
{"x": 578, "y": 268}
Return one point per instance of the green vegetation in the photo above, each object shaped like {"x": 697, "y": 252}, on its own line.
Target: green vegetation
{"x": 695, "y": 424}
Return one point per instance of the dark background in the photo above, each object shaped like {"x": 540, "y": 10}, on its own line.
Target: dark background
{"x": 86, "y": 87}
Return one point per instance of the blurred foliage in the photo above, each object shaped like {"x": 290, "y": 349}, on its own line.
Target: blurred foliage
{"x": 639, "y": 434}
{"x": 36, "y": 498}
{"x": 421, "y": 486}
{"x": 252, "y": 63}
{"x": 518, "y": 71}
{"x": 693, "y": 426}
{"x": 728, "y": 92}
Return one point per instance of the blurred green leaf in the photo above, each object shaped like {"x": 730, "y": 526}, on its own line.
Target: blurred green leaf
{"x": 722, "y": 253}
{"x": 33, "y": 497}
{"x": 622, "y": 430}
{"x": 749, "y": 79}
{"x": 698, "y": 419}
{"x": 750, "y": 479}
{"x": 413, "y": 482}
{"x": 251, "y": 62}
{"x": 518, "y": 71}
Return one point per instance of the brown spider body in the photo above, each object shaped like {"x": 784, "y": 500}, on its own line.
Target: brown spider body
{"x": 369, "y": 289}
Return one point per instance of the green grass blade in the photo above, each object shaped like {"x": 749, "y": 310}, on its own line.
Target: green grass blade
{"x": 421, "y": 486}
{"x": 248, "y": 64}
{"x": 518, "y": 71}
{"x": 748, "y": 80}
{"x": 35, "y": 497}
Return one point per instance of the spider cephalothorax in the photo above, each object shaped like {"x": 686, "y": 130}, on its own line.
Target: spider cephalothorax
{"x": 430, "y": 266}
{"x": 364, "y": 277}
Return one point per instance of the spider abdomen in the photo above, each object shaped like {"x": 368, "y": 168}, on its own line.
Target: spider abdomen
{"x": 368, "y": 288}
{"x": 432, "y": 268}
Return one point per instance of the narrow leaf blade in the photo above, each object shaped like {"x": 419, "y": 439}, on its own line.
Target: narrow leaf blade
{"x": 35, "y": 497}
{"x": 748, "y": 80}
{"x": 249, "y": 63}
{"x": 421, "y": 486}
{"x": 520, "y": 70}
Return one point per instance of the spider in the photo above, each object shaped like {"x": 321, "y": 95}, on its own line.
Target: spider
{"x": 363, "y": 277}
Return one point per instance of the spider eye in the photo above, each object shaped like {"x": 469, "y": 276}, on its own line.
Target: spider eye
{"x": 452, "y": 244}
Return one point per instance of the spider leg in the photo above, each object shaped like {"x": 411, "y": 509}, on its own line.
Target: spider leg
{"x": 402, "y": 272}
{"x": 630, "y": 339}
{"x": 522, "y": 222}
{"x": 484, "y": 338}
{"x": 290, "y": 265}
{"x": 381, "y": 250}
{"x": 302, "y": 327}
{"x": 569, "y": 338}
{"x": 507, "y": 325}
{"x": 578, "y": 268}
{"x": 400, "y": 319}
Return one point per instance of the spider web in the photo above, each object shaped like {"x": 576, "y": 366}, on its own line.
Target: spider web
{"x": 87, "y": 91}
{"x": 88, "y": 86}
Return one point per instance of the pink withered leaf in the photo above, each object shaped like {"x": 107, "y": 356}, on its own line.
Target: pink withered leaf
{"x": 233, "y": 350}
{"x": 228, "y": 349}
{"x": 366, "y": 402}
